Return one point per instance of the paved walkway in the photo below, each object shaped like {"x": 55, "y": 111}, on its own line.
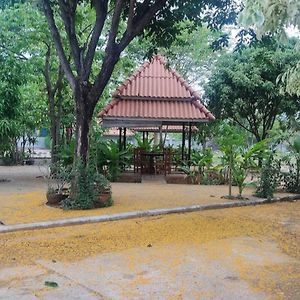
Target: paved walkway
{"x": 242, "y": 253}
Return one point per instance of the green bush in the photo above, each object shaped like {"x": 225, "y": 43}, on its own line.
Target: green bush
{"x": 270, "y": 178}
{"x": 82, "y": 196}
{"x": 86, "y": 186}
{"x": 291, "y": 180}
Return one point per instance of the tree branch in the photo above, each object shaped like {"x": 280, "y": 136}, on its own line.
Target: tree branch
{"x": 18, "y": 55}
{"x": 59, "y": 80}
{"x": 58, "y": 43}
{"x": 140, "y": 21}
{"x": 68, "y": 11}
{"x": 46, "y": 72}
{"x": 101, "y": 13}
{"x": 114, "y": 25}
{"x": 130, "y": 15}
{"x": 113, "y": 50}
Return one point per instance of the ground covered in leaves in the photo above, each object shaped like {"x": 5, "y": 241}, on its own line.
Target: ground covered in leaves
{"x": 259, "y": 245}
{"x": 23, "y": 197}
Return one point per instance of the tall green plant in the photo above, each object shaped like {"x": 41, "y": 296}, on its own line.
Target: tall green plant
{"x": 202, "y": 159}
{"x": 83, "y": 194}
{"x": 292, "y": 178}
{"x": 229, "y": 140}
{"x": 244, "y": 162}
{"x": 269, "y": 178}
{"x": 108, "y": 154}
{"x": 145, "y": 144}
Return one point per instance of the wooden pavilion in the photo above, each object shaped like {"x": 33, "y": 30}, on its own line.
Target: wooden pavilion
{"x": 155, "y": 99}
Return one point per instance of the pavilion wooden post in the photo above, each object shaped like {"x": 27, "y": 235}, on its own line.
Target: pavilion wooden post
{"x": 160, "y": 138}
{"x": 190, "y": 144}
{"x": 120, "y": 138}
{"x": 144, "y": 137}
{"x": 124, "y": 139}
{"x": 183, "y": 142}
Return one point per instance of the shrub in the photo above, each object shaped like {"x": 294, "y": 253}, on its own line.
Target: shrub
{"x": 291, "y": 180}
{"x": 83, "y": 195}
{"x": 270, "y": 178}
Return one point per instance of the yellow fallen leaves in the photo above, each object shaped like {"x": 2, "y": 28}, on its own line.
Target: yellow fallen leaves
{"x": 30, "y": 206}
{"x": 71, "y": 243}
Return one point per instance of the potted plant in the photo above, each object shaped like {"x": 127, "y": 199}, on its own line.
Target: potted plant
{"x": 102, "y": 190}
{"x": 58, "y": 181}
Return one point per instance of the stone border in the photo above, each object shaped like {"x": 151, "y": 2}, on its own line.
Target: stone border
{"x": 140, "y": 214}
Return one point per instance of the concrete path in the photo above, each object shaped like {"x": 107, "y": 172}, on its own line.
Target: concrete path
{"x": 226, "y": 269}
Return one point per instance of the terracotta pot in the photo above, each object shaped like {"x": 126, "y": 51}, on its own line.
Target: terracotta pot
{"x": 103, "y": 199}
{"x": 55, "y": 198}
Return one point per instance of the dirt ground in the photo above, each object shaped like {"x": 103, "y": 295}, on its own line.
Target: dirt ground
{"x": 238, "y": 253}
{"x": 22, "y": 199}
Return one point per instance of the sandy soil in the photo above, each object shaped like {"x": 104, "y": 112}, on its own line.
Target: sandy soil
{"x": 22, "y": 199}
{"x": 238, "y": 253}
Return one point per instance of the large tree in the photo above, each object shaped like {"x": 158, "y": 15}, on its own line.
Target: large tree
{"x": 276, "y": 17}
{"x": 243, "y": 87}
{"x": 125, "y": 20}
{"x": 25, "y": 37}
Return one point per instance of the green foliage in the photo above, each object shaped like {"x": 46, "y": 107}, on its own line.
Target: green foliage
{"x": 146, "y": 144}
{"x": 66, "y": 153}
{"x": 270, "y": 177}
{"x": 245, "y": 161}
{"x": 48, "y": 142}
{"x": 292, "y": 177}
{"x": 59, "y": 178}
{"x": 102, "y": 183}
{"x": 202, "y": 159}
{"x": 83, "y": 193}
{"x": 191, "y": 53}
{"x": 237, "y": 157}
{"x": 192, "y": 173}
{"x": 276, "y": 16}
{"x": 243, "y": 87}
{"x": 110, "y": 159}
{"x": 271, "y": 15}
{"x": 10, "y": 104}
{"x": 88, "y": 184}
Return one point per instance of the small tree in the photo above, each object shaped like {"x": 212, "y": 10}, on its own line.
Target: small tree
{"x": 229, "y": 139}
{"x": 244, "y": 162}
{"x": 292, "y": 179}
{"x": 270, "y": 177}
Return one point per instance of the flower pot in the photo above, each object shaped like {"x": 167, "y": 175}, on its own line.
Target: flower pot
{"x": 55, "y": 198}
{"x": 103, "y": 200}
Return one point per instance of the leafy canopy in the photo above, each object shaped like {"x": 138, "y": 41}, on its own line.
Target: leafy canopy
{"x": 243, "y": 87}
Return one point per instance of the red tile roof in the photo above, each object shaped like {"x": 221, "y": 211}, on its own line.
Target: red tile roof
{"x": 155, "y": 91}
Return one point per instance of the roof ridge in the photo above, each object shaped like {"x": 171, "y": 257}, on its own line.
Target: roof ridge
{"x": 107, "y": 107}
{"x": 185, "y": 84}
{"x": 121, "y": 87}
{"x": 161, "y": 59}
{"x": 202, "y": 107}
{"x": 145, "y": 65}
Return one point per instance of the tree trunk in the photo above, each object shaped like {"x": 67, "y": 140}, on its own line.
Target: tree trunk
{"x": 230, "y": 176}
{"x": 55, "y": 139}
{"x": 84, "y": 114}
{"x": 55, "y": 120}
